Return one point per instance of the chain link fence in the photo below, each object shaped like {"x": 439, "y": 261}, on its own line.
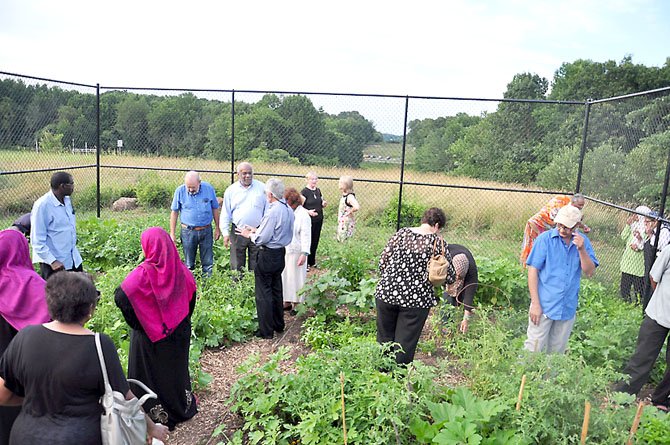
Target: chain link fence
{"x": 490, "y": 164}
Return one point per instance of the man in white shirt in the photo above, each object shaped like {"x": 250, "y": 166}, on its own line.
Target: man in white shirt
{"x": 653, "y": 333}
{"x": 244, "y": 205}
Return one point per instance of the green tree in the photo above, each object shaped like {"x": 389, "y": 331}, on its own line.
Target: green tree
{"x": 132, "y": 124}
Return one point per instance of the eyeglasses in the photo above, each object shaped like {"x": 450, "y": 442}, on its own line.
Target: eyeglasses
{"x": 564, "y": 228}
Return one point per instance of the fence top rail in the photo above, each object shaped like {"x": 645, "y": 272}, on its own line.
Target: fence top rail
{"x": 627, "y": 96}
{"x": 44, "y": 79}
{"x": 41, "y": 170}
{"x": 321, "y": 93}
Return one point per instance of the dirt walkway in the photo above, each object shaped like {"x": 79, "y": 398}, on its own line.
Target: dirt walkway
{"x": 222, "y": 365}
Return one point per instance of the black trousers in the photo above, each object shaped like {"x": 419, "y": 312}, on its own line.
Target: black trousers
{"x": 46, "y": 271}
{"x": 269, "y": 298}
{"x": 649, "y": 343}
{"x": 239, "y": 248}
{"x": 628, "y": 281}
{"x": 316, "y": 235}
{"x": 403, "y": 325}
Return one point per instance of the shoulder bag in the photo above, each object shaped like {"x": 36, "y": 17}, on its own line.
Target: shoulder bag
{"x": 123, "y": 422}
{"x": 440, "y": 266}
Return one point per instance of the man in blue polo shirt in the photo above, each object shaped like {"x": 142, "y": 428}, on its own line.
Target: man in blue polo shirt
{"x": 196, "y": 205}
{"x": 53, "y": 228}
{"x": 555, "y": 266}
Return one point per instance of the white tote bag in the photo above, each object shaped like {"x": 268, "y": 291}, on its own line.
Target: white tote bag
{"x": 123, "y": 422}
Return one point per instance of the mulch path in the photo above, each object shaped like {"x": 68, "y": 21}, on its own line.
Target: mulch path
{"x": 222, "y": 364}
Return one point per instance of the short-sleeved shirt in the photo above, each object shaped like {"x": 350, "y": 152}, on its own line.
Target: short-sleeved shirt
{"x": 195, "y": 209}
{"x": 403, "y": 270}
{"x": 658, "y": 308}
{"x": 559, "y": 273}
{"x": 60, "y": 378}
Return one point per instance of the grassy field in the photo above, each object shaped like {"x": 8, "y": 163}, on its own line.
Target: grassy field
{"x": 490, "y": 222}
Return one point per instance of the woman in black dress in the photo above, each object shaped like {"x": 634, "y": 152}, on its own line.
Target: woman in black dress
{"x": 157, "y": 299}
{"x": 314, "y": 203}
{"x": 54, "y": 371}
{"x": 404, "y": 295}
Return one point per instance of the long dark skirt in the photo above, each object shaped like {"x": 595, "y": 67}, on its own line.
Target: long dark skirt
{"x": 163, "y": 367}
{"x": 8, "y": 414}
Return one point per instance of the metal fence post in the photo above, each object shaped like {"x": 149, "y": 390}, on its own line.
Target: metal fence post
{"x": 402, "y": 163}
{"x": 661, "y": 210}
{"x": 98, "y": 148}
{"x": 582, "y": 151}
{"x": 232, "y": 139}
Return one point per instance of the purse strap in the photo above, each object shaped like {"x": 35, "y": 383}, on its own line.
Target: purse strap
{"x": 443, "y": 248}
{"x": 108, "y": 388}
{"x": 101, "y": 357}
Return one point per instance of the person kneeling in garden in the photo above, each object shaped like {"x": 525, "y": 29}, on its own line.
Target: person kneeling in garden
{"x": 653, "y": 332}
{"x": 555, "y": 266}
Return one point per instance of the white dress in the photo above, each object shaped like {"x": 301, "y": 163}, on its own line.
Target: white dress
{"x": 293, "y": 277}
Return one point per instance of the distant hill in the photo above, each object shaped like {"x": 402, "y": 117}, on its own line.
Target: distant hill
{"x": 391, "y": 137}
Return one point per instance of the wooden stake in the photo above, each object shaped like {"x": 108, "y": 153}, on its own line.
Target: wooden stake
{"x": 523, "y": 384}
{"x": 636, "y": 423}
{"x": 344, "y": 421}
{"x": 585, "y": 424}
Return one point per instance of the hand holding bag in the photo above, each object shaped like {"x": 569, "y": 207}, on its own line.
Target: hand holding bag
{"x": 440, "y": 266}
{"x": 123, "y": 422}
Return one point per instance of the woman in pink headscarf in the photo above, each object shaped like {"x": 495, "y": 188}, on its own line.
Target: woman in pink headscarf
{"x": 22, "y": 303}
{"x": 157, "y": 299}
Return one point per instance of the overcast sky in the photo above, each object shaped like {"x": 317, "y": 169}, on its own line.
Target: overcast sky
{"x": 435, "y": 48}
{"x": 440, "y": 48}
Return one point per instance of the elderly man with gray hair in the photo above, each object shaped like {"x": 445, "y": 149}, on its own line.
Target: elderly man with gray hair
{"x": 274, "y": 233}
{"x": 555, "y": 266}
{"x": 196, "y": 205}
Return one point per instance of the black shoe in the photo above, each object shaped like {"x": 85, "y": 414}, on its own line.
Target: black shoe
{"x": 266, "y": 337}
{"x": 293, "y": 312}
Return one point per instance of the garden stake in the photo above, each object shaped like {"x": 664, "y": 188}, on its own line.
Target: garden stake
{"x": 585, "y": 425}
{"x": 636, "y": 423}
{"x": 344, "y": 422}
{"x": 523, "y": 384}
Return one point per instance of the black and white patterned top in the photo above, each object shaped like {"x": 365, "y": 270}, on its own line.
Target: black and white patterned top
{"x": 403, "y": 270}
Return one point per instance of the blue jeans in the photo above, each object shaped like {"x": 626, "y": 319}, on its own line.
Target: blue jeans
{"x": 191, "y": 240}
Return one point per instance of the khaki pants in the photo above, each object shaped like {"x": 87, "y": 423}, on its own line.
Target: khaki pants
{"x": 550, "y": 335}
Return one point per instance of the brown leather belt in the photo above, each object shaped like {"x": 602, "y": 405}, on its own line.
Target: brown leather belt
{"x": 196, "y": 228}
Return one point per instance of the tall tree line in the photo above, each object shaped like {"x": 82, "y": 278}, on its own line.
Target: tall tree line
{"x": 282, "y": 128}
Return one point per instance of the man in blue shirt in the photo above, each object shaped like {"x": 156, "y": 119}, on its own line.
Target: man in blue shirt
{"x": 244, "y": 204}
{"x": 274, "y": 233}
{"x": 555, "y": 266}
{"x": 53, "y": 228}
{"x": 196, "y": 205}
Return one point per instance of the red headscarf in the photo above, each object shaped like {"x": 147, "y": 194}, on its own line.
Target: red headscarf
{"x": 160, "y": 289}
{"x": 22, "y": 298}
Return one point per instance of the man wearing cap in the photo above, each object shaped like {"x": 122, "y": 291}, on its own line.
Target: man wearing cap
{"x": 274, "y": 233}
{"x": 196, "y": 205}
{"x": 555, "y": 266}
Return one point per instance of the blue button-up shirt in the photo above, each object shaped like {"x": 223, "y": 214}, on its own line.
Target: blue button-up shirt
{"x": 276, "y": 228}
{"x": 559, "y": 273}
{"x": 53, "y": 231}
{"x": 195, "y": 209}
{"x": 243, "y": 206}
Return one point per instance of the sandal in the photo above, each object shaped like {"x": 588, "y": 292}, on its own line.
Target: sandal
{"x": 661, "y": 407}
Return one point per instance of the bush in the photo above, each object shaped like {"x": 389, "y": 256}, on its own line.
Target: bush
{"x": 410, "y": 213}
{"x": 151, "y": 192}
